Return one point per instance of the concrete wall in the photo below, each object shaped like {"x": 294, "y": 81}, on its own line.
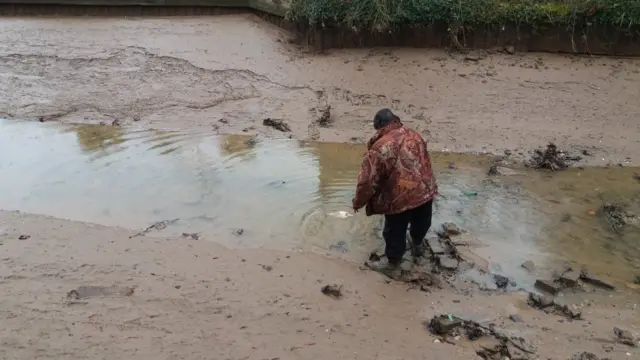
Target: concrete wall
{"x": 274, "y": 7}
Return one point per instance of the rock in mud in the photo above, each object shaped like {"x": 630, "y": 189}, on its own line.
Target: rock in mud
{"x": 515, "y": 318}
{"x": 529, "y": 266}
{"x": 85, "y": 292}
{"x": 625, "y": 337}
{"x": 447, "y": 262}
{"x": 24, "y": 237}
{"x": 493, "y": 170}
{"x": 547, "y": 286}
{"x": 501, "y": 281}
{"x": 590, "y": 279}
{"x": 444, "y": 324}
{"x": 569, "y": 279}
{"x": 551, "y": 158}
{"x": 540, "y": 301}
{"x": 451, "y": 229}
{"x": 436, "y": 247}
{"x": 277, "y": 124}
{"x": 334, "y": 291}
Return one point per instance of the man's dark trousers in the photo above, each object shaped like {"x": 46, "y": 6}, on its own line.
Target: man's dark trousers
{"x": 395, "y": 230}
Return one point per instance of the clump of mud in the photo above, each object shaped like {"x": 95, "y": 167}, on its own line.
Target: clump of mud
{"x": 333, "y": 291}
{"x": 551, "y": 158}
{"x": 617, "y": 216}
{"x": 325, "y": 117}
{"x": 277, "y": 124}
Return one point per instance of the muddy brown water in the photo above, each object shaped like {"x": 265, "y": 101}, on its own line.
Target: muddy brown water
{"x": 281, "y": 193}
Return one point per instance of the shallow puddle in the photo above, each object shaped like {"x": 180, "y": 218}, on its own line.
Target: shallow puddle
{"x": 280, "y": 194}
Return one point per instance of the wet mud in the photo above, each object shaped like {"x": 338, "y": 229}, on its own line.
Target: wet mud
{"x": 496, "y": 223}
{"x": 112, "y": 73}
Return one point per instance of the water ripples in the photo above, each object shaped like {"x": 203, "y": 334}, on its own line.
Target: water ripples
{"x": 280, "y": 192}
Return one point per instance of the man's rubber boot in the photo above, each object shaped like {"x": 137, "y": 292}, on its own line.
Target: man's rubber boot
{"x": 392, "y": 270}
{"x": 417, "y": 249}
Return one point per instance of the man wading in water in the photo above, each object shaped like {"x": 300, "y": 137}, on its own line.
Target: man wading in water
{"x": 396, "y": 181}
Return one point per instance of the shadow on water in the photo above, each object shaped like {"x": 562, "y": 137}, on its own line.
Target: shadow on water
{"x": 280, "y": 192}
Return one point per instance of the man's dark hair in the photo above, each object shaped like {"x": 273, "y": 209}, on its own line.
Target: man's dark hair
{"x": 383, "y": 118}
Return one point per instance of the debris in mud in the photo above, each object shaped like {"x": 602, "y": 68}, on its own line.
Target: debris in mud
{"x": 160, "y": 225}
{"x": 277, "y": 124}
{"x": 636, "y": 280}
{"x": 636, "y": 177}
{"x": 625, "y": 337}
{"x": 617, "y": 216}
{"x": 85, "y": 292}
{"x": 590, "y": 279}
{"x": 238, "y": 232}
{"x": 136, "y": 118}
{"x": 547, "y": 286}
{"x": 373, "y": 256}
{"x": 116, "y": 122}
{"x": 416, "y": 276}
{"x": 549, "y": 306}
{"x": 540, "y": 301}
{"x": 266, "y": 268}
{"x": 551, "y": 158}
{"x": 451, "y": 229}
{"x": 24, "y": 237}
{"x": 334, "y": 291}
{"x": 515, "y": 318}
{"x": 325, "y": 118}
{"x": 493, "y": 170}
{"x": 447, "y": 262}
{"x": 493, "y": 344}
{"x": 252, "y": 142}
{"x": 569, "y": 279}
{"x": 529, "y": 266}
{"x": 501, "y": 281}
{"x": 193, "y": 236}
{"x": 585, "y": 356}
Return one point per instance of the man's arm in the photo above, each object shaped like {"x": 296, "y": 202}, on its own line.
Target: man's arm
{"x": 368, "y": 179}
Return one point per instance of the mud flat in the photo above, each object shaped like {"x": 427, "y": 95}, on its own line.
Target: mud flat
{"x": 168, "y": 73}
{"x": 149, "y": 297}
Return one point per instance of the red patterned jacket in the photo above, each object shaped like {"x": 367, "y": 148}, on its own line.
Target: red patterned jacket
{"x": 396, "y": 172}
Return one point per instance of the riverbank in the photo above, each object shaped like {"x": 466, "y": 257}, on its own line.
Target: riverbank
{"x": 195, "y": 299}
{"x": 169, "y": 73}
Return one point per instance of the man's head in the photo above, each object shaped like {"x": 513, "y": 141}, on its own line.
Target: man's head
{"x": 383, "y": 118}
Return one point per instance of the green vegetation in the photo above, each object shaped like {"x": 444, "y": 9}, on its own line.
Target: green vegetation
{"x": 386, "y": 14}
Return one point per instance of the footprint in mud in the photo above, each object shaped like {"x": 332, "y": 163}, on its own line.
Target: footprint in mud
{"x": 85, "y": 292}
